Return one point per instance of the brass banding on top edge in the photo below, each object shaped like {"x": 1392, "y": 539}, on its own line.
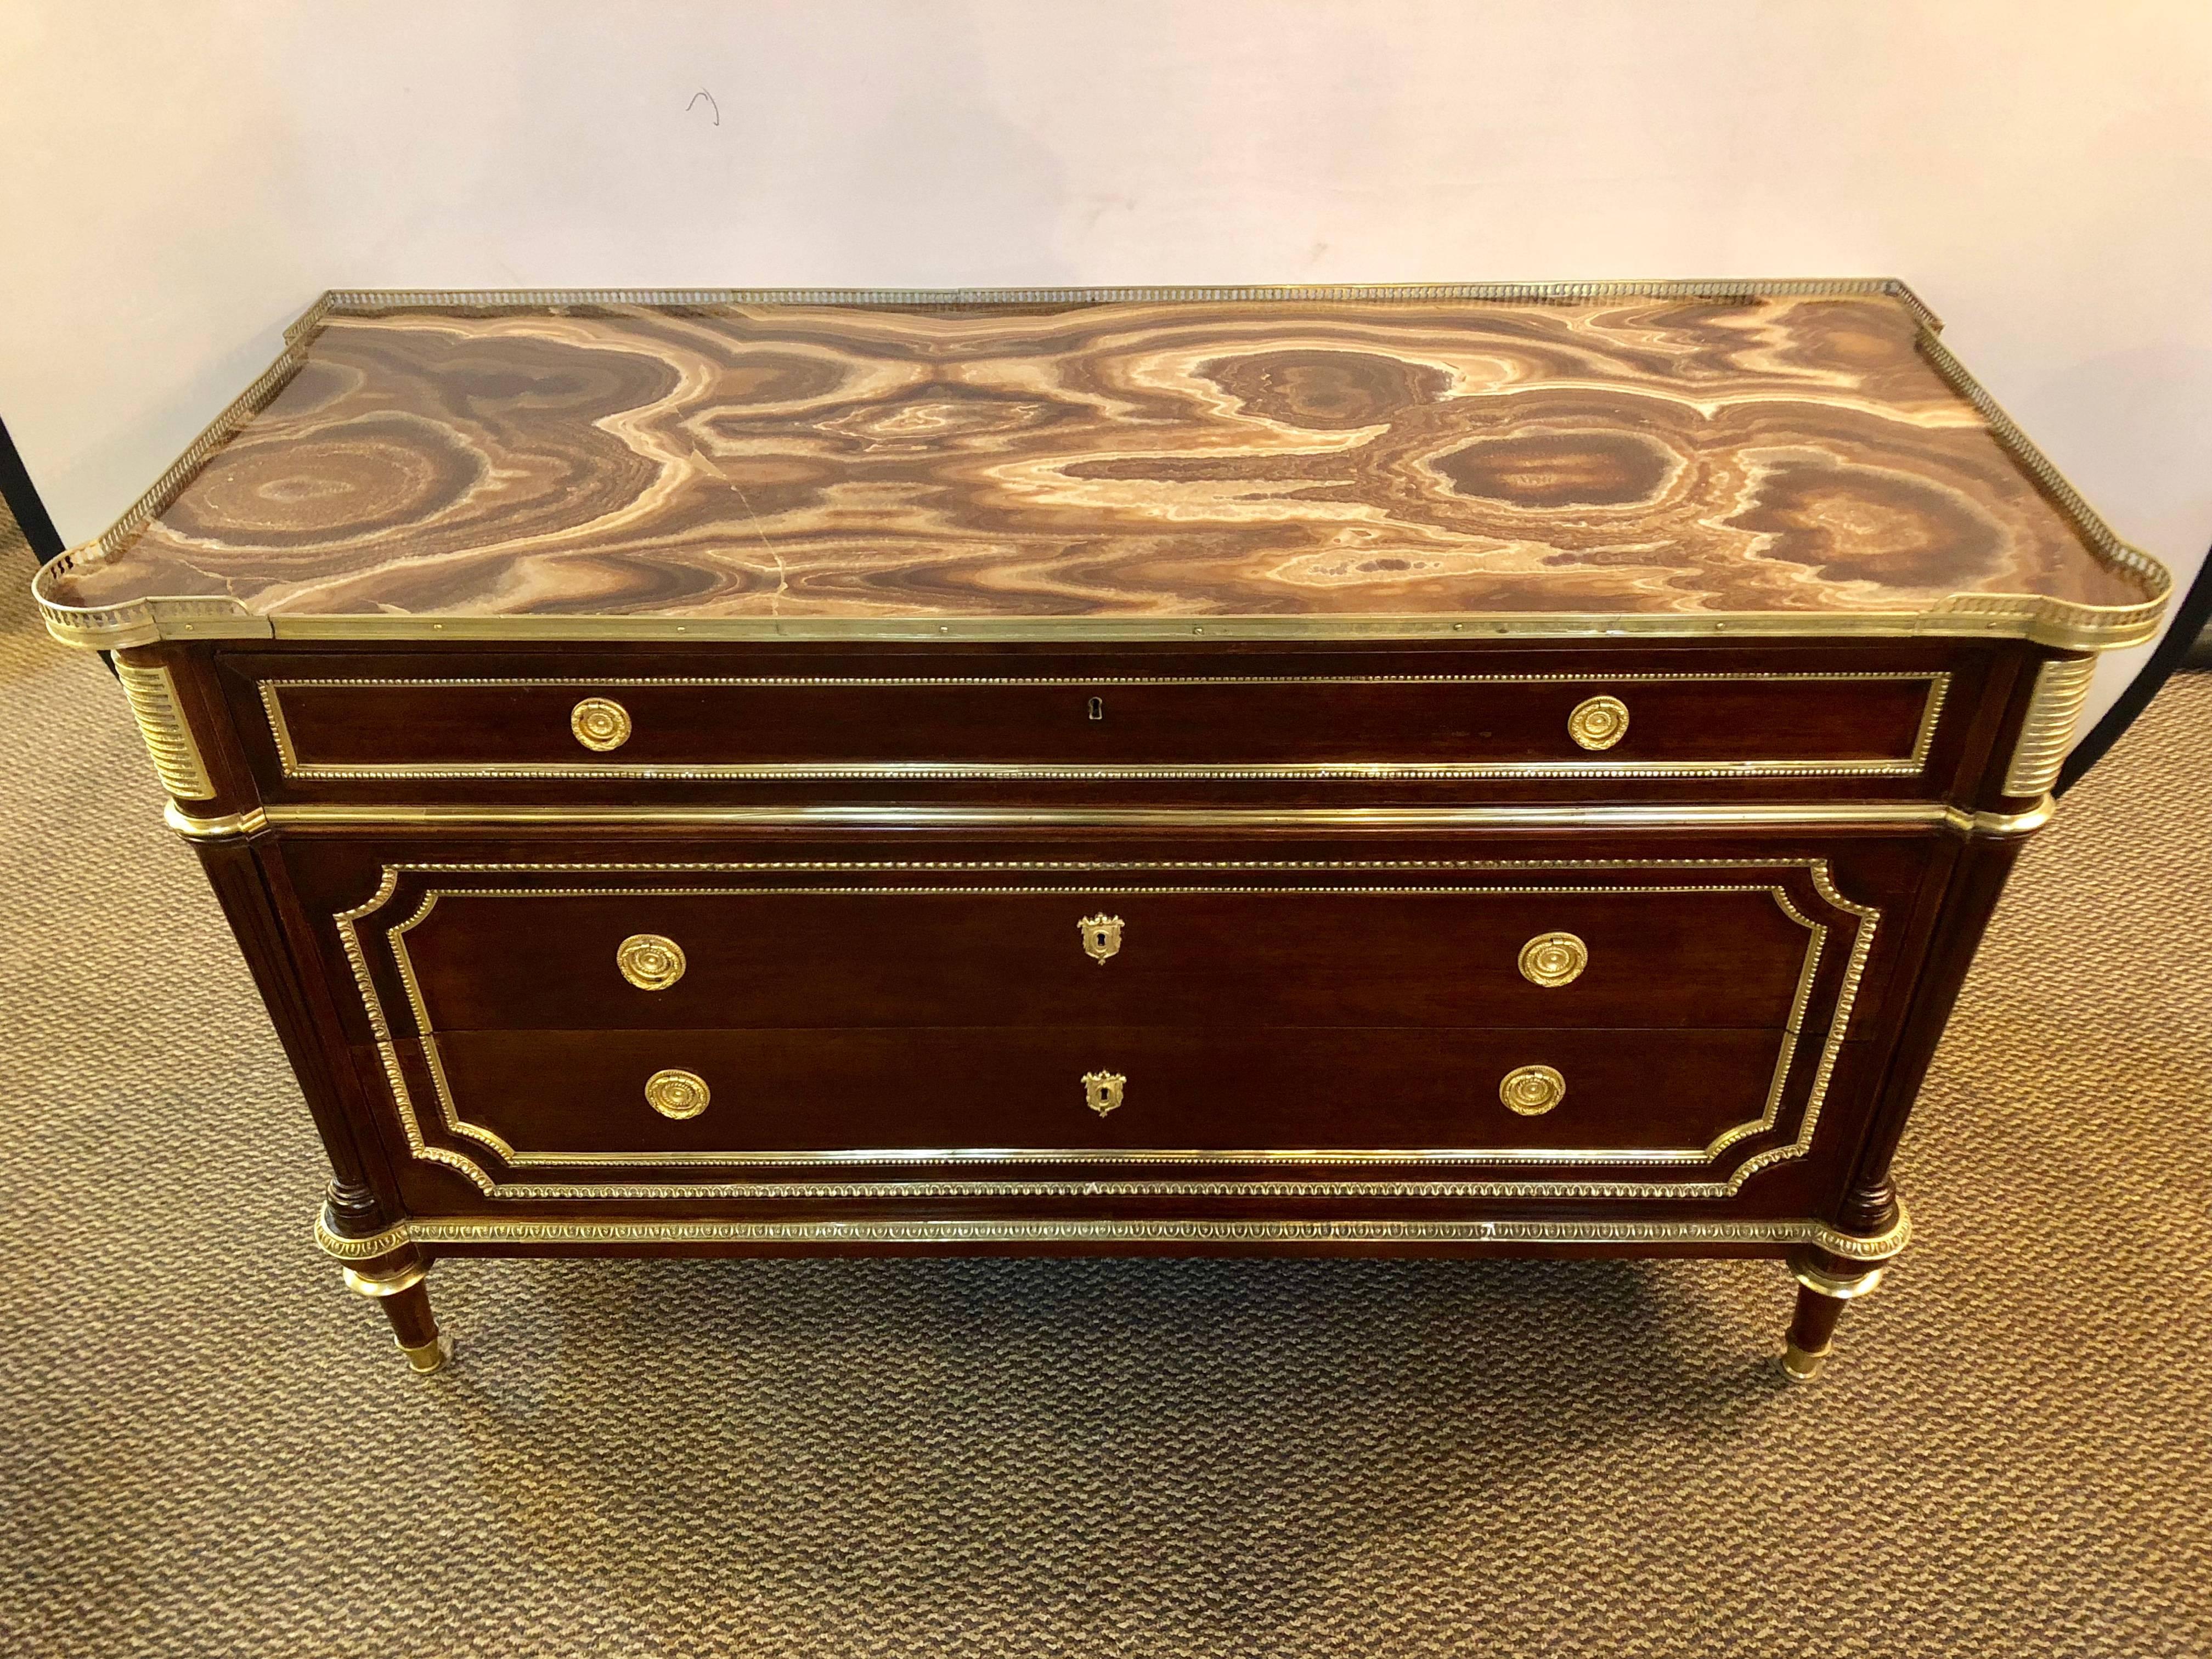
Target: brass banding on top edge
{"x": 2060, "y": 624}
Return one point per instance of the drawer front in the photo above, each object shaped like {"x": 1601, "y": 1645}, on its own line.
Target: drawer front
{"x": 1396, "y": 721}
{"x": 638, "y": 1100}
{"x": 951, "y": 1001}
{"x": 651, "y": 949}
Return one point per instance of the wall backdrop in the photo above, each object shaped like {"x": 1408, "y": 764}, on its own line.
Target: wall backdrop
{"x": 179, "y": 181}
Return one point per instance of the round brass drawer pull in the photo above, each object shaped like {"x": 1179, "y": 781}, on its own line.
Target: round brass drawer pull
{"x": 599, "y": 723}
{"x": 650, "y": 962}
{"x": 1551, "y": 959}
{"x": 1532, "y": 1090}
{"x": 676, "y": 1094}
{"x": 1598, "y": 722}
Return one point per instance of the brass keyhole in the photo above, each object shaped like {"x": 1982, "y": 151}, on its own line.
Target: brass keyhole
{"x": 1102, "y": 937}
{"x": 1098, "y": 709}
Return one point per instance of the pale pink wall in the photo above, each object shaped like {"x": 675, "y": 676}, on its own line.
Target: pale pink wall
{"x": 176, "y": 182}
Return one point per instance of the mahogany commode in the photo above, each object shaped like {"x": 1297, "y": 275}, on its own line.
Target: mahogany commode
{"x": 1447, "y": 771}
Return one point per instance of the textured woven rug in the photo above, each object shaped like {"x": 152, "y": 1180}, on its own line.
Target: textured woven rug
{"x": 209, "y": 1448}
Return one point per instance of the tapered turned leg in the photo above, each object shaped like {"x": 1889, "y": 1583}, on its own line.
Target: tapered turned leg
{"x": 1825, "y": 1285}
{"x": 396, "y": 1284}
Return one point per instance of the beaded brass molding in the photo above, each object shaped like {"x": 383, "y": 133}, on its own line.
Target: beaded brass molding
{"x": 151, "y": 691}
{"x": 524, "y": 1230}
{"x": 1906, "y": 765}
{"x": 1804, "y": 815}
{"x": 2061, "y": 687}
{"x": 1867, "y": 918}
{"x": 2062, "y": 624}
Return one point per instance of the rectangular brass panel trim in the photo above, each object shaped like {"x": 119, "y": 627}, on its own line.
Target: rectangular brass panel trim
{"x": 1077, "y": 682}
{"x": 526, "y": 1231}
{"x": 1867, "y": 918}
{"x": 2061, "y": 687}
{"x": 455, "y": 1123}
{"x": 1906, "y": 765}
{"x": 152, "y": 693}
{"x": 2059, "y": 623}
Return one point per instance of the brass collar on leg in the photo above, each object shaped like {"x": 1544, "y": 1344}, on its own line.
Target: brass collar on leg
{"x": 1843, "y": 1287}
{"x": 406, "y": 1279}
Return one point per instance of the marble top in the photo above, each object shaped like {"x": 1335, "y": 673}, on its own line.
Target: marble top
{"x": 1256, "y": 457}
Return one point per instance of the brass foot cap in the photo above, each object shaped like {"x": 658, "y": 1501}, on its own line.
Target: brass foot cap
{"x": 1799, "y": 1366}
{"x": 430, "y": 1357}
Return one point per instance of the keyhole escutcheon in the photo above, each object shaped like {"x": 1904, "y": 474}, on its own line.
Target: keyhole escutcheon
{"x": 1098, "y": 709}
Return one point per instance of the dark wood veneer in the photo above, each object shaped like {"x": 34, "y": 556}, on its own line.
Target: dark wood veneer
{"x": 1385, "y": 711}
{"x": 762, "y": 955}
{"x": 1733, "y": 705}
{"x": 1242, "y": 1087}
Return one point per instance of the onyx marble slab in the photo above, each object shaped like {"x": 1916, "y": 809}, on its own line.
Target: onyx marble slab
{"x": 1651, "y": 453}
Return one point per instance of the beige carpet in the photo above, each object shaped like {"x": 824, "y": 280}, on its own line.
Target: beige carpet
{"x": 209, "y": 1448}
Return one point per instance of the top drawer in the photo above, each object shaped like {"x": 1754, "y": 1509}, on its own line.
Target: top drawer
{"x": 1231, "y": 726}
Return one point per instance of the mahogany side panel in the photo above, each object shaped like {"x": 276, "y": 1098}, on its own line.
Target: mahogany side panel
{"x": 362, "y": 1185}
{"x": 1982, "y": 867}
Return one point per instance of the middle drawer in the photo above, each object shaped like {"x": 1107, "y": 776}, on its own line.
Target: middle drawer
{"x": 1392, "y": 948}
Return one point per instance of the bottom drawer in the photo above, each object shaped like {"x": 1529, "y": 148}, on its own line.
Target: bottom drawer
{"x": 797, "y": 1097}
